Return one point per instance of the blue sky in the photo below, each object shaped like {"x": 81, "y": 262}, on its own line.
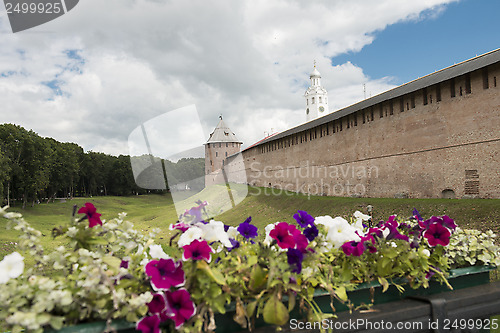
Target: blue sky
{"x": 412, "y": 49}
{"x": 93, "y": 78}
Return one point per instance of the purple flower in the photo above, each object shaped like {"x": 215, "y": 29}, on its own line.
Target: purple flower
{"x": 303, "y": 219}
{"x": 311, "y": 233}
{"x": 90, "y": 211}
{"x": 197, "y": 250}
{"x": 180, "y": 307}
{"x": 394, "y": 233}
{"x": 165, "y": 273}
{"x": 295, "y": 258}
{"x": 149, "y": 324}
{"x": 416, "y": 214}
{"x": 124, "y": 264}
{"x": 437, "y": 234}
{"x": 179, "y": 226}
{"x": 235, "y": 244}
{"x": 157, "y": 304}
{"x": 247, "y": 230}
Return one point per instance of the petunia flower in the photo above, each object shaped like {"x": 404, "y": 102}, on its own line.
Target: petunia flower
{"x": 11, "y": 267}
{"x": 416, "y": 215}
{"x": 311, "y": 233}
{"x": 283, "y": 236}
{"x": 295, "y": 258}
{"x": 149, "y": 324}
{"x": 213, "y": 231}
{"x": 338, "y": 230}
{"x": 301, "y": 241}
{"x": 90, "y": 211}
{"x": 156, "y": 252}
{"x": 165, "y": 273}
{"x": 303, "y": 219}
{"x": 353, "y": 248}
{"x": 180, "y": 307}
{"x": 190, "y": 235}
{"x": 179, "y": 226}
{"x": 157, "y": 304}
{"x": 197, "y": 250}
{"x": 247, "y": 230}
{"x": 437, "y": 234}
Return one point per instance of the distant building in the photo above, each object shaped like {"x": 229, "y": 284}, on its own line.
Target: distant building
{"x": 437, "y": 136}
{"x": 316, "y": 97}
{"x": 221, "y": 144}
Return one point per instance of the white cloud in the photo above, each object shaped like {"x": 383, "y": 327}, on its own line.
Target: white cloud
{"x": 136, "y": 60}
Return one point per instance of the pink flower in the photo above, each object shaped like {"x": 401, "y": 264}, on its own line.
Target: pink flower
{"x": 165, "y": 273}
{"x": 437, "y": 234}
{"x": 157, "y": 304}
{"x": 179, "y": 226}
{"x": 180, "y": 307}
{"x": 92, "y": 216}
{"x": 149, "y": 324}
{"x": 281, "y": 233}
{"x": 197, "y": 250}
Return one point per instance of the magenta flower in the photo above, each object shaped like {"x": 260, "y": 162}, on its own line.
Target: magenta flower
{"x": 149, "y": 324}
{"x": 165, "y": 273}
{"x": 437, "y": 234}
{"x": 90, "y": 211}
{"x": 303, "y": 219}
{"x": 353, "y": 248}
{"x": 157, "y": 304}
{"x": 247, "y": 230}
{"x": 417, "y": 215}
{"x": 197, "y": 250}
{"x": 283, "y": 236}
{"x": 301, "y": 241}
{"x": 179, "y": 226}
{"x": 180, "y": 307}
{"x": 394, "y": 233}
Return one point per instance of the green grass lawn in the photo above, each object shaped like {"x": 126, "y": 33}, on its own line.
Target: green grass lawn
{"x": 158, "y": 211}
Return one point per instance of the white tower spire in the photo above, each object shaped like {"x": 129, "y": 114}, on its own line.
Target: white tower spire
{"x": 316, "y": 97}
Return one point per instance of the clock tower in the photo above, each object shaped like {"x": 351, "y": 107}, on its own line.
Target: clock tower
{"x": 316, "y": 97}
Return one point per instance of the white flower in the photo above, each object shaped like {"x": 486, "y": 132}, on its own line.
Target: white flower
{"x": 338, "y": 230}
{"x": 190, "y": 235}
{"x": 72, "y": 231}
{"x": 268, "y": 229}
{"x": 426, "y": 252}
{"x": 157, "y": 252}
{"x": 360, "y": 218}
{"x": 214, "y": 231}
{"x": 232, "y": 232}
{"x": 11, "y": 267}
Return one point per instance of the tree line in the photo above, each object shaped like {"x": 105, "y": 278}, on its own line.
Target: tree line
{"x": 36, "y": 169}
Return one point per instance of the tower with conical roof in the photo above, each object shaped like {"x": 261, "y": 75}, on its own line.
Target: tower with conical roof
{"x": 221, "y": 144}
{"x": 316, "y": 97}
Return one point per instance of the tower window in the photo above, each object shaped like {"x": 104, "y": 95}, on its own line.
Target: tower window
{"x": 424, "y": 93}
{"x": 307, "y": 101}
{"x": 494, "y": 81}
{"x": 227, "y": 145}
{"x": 371, "y": 114}
{"x": 312, "y": 100}
{"x": 452, "y": 88}
{"x": 438, "y": 93}
{"x": 216, "y": 154}
{"x": 226, "y": 153}
{"x": 220, "y": 144}
{"x": 401, "y": 105}
{"x": 319, "y": 99}
{"x": 391, "y": 108}
{"x": 412, "y": 100}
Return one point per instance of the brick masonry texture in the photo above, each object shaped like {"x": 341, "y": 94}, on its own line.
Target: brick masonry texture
{"x": 425, "y": 144}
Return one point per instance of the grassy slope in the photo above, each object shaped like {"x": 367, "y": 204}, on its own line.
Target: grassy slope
{"x": 157, "y": 211}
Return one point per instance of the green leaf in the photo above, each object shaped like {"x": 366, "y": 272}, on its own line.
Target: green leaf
{"x": 384, "y": 283}
{"x": 291, "y": 301}
{"x": 112, "y": 262}
{"x": 341, "y": 293}
{"x": 251, "y": 308}
{"x": 57, "y": 322}
{"x": 258, "y": 278}
{"x": 275, "y": 312}
{"x": 215, "y": 274}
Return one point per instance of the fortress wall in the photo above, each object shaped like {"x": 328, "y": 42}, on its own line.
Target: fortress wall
{"x": 409, "y": 151}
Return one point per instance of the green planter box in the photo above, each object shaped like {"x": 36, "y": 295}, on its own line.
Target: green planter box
{"x": 459, "y": 278}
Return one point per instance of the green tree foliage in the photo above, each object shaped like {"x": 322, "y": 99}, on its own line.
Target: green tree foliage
{"x": 35, "y": 169}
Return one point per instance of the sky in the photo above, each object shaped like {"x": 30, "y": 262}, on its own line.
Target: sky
{"x": 107, "y": 70}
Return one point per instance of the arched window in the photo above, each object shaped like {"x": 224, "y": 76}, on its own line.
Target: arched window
{"x": 319, "y": 99}
{"x": 312, "y": 100}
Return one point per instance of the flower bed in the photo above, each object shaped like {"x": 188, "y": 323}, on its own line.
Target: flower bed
{"x": 110, "y": 271}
